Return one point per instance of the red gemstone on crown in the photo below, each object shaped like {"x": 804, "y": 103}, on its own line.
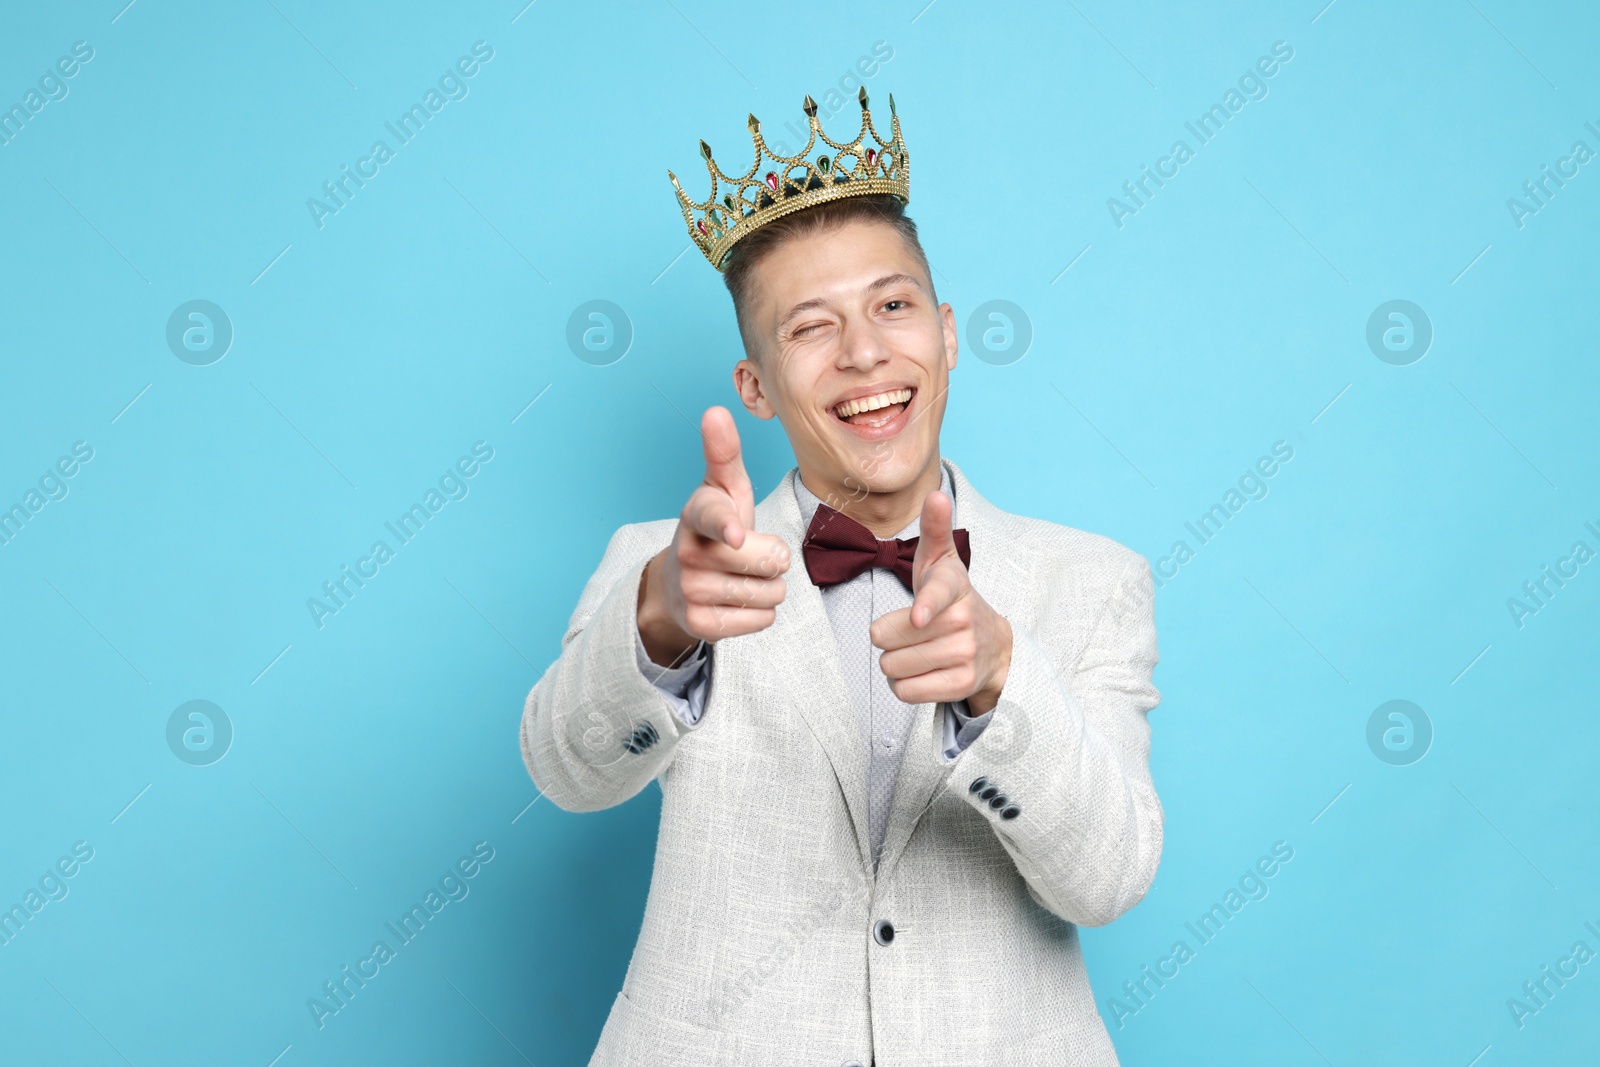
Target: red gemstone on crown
{"x": 702, "y": 225}
{"x": 772, "y": 181}
{"x": 872, "y": 156}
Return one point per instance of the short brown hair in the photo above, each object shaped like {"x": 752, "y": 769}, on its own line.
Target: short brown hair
{"x": 813, "y": 220}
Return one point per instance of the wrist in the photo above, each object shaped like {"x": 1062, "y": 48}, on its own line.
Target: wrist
{"x": 665, "y": 642}
{"x": 985, "y": 699}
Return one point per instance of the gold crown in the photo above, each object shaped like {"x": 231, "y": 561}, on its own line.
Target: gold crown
{"x": 792, "y": 183}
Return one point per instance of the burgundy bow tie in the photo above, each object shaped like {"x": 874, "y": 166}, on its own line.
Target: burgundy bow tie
{"x": 837, "y": 548}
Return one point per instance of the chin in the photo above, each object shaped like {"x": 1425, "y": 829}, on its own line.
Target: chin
{"x": 892, "y": 467}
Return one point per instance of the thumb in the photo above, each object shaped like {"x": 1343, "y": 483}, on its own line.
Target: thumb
{"x": 935, "y": 540}
{"x": 725, "y": 462}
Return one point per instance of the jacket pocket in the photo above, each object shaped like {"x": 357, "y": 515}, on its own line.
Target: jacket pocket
{"x": 635, "y": 1037}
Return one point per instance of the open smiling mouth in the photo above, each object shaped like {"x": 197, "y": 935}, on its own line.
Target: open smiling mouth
{"x": 878, "y": 413}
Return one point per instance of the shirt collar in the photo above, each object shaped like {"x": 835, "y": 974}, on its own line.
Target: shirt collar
{"x": 808, "y": 502}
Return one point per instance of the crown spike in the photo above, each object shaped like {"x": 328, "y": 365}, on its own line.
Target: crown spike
{"x": 705, "y": 151}
{"x": 754, "y": 124}
{"x": 810, "y": 107}
{"x": 862, "y": 96}
{"x": 892, "y": 111}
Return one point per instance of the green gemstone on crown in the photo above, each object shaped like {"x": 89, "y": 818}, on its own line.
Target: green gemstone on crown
{"x": 823, "y": 164}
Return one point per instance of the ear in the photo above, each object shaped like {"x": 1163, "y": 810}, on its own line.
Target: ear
{"x": 747, "y": 381}
{"x": 952, "y": 336}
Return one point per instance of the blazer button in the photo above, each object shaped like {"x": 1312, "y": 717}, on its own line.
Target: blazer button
{"x": 999, "y": 802}
{"x": 854, "y": 1063}
{"x": 1011, "y": 812}
{"x": 977, "y": 784}
{"x": 883, "y": 931}
{"x": 988, "y": 792}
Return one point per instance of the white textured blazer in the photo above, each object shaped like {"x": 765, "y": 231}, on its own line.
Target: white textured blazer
{"x": 766, "y": 940}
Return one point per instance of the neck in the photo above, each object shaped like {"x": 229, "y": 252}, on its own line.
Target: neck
{"x": 884, "y": 513}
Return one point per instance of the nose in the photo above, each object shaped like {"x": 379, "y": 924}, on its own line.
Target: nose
{"x": 861, "y": 346}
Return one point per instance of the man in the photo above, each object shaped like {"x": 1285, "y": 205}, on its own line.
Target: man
{"x": 897, "y": 777}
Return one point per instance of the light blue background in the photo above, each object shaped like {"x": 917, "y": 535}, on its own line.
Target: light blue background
{"x": 1228, "y": 314}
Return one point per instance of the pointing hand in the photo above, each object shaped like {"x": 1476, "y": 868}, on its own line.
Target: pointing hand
{"x": 719, "y": 577}
{"x": 949, "y": 644}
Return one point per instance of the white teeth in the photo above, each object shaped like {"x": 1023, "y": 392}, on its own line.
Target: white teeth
{"x": 872, "y": 403}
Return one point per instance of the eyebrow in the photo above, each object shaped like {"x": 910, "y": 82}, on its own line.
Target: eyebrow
{"x": 816, "y": 302}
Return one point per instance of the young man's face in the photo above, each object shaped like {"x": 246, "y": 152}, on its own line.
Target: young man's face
{"x": 842, "y": 319}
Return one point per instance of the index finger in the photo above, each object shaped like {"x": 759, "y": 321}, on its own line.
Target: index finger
{"x": 761, "y": 555}
{"x": 935, "y": 540}
{"x": 719, "y": 437}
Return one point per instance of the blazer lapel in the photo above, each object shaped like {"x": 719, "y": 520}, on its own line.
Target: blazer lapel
{"x": 802, "y": 634}
{"x": 1000, "y": 577}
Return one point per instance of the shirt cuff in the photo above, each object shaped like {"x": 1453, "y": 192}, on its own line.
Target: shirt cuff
{"x": 961, "y": 728}
{"x": 684, "y": 685}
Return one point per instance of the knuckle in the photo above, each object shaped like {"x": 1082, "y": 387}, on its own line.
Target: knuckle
{"x": 698, "y": 501}
{"x": 688, "y": 587}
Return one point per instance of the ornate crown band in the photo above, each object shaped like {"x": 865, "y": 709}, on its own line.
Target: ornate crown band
{"x": 792, "y": 183}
